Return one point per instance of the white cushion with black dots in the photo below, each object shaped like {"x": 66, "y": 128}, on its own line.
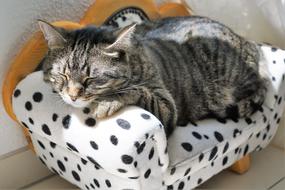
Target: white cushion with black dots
{"x": 129, "y": 149}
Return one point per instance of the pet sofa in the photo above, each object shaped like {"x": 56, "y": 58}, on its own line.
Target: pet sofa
{"x": 129, "y": 150}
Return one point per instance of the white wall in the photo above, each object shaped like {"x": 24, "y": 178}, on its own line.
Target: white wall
{"x": 18, "y": 21}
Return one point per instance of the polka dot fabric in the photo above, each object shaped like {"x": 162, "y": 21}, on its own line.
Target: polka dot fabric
{"x": 129, "y": 150}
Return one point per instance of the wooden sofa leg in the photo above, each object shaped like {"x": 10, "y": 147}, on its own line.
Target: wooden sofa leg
{"x": 241, "y": 166}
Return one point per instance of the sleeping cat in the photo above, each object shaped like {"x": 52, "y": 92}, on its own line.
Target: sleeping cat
{"x": 181, "y": 69}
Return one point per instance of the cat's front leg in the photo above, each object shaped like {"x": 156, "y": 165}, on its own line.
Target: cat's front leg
{"x": 106, "y": 108}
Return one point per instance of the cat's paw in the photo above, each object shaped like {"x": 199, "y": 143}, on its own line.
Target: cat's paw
{"x": 106, "y": 108}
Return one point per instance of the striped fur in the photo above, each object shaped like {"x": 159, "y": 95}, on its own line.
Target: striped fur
{"x": 181, "y": 69}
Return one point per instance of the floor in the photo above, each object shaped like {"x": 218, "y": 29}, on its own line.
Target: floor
{"x": 267, "y": 172}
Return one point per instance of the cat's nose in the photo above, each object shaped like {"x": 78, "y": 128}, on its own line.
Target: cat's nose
{"x": 73, "y": 98}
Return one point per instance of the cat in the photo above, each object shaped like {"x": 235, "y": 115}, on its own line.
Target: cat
{"x": 181, "y": 69}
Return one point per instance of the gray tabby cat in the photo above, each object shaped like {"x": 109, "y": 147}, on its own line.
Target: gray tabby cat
{"x": 181, "y": 69}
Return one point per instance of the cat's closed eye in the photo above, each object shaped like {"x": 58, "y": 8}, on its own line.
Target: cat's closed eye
{"x": 65, "y": 76}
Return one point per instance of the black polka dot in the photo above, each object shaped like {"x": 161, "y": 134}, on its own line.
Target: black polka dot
{"x": 257, "y": 135}
{"x": 218, "y": 136}
{"x": 268, "y": 127}
{"x": 181, "y": 185}
{"x": 145, "y": 116}
{"x": 65, "y": 159}
{"x": 170, "y": 187}
{"x": 213, "y": 153}
{"x": 54, "y": 117}
{"x": 151, "y": 153}
{"x": 196, "y": 135}
{"x": 126, "y": 159}
{"x": 206, "y": 136}
{"x": 225, "y": 160}
{"x": 24, "y": 124}
{"x": 72, "y": 147}
{"x": 274, "y": 62}
{"x": 17, "y": 93}
{"x": 75, "y": 175}
{"x": 124, "y": 18}
{"x": 248, "y": 120}
{"x": 123, "y": 124}
{"x": 137, "y": 144}
{"x": 236, "y": 150}
{"x": 264, "y": 119}
{"x": 94, "y": 145}
{"x": 52, "y": 144}
{"x": 94, "y": 162}
{"x": 226, "y": 147}
{"x": 31, "y": 121}
{"x": 37, "y": 97}
{"x": 86, "y": 187}
{"x": 61, "y": 165}
{"x": 42, "y": 161}
{"x": 222, "y": 120}
{"x": 91, "y": 185}
{"x": 147, "y": 173}
{"x": 273, "y": 49}
{"x": 159, "y": 162}
{"x": 41, "y": 144}
{"x": 276, "y": 97}
{"x": 200, "y": 181}
{"x": 54, "y": 170}
{"x": 45, "y": 129}
{"x": 172, "y": 171}
{"x": 140, "y": 148}
{"x": 136, "y": 177}
{"x": 122, "y": 170}
{"x": 201, "y": 156}
{"x": 187, "y": 171}
{"x": 273, "y": 78}
{"x": 236, "y": 133}
{"x": 278, "y": 120}
{"x": 187, "y": 146}
{"x": 78, "y": 167}
{"x": 108, "y": 183}
{"x": 51, "y": 154}
{"x": 96, "y": 182}
{"x": 264, "y": 136}
{"x": 280, "y": 100}
{"x": 135, "y": 164}
{"x": 146, "y": 135}
{"x": 275, "y": 115}
{"x": 83, "y": 161}
{"x": 90, "y": 122}
{"x": 245, "y": 150}
{"x": 28, "y": 106}
{"x": 66, "y": 121}
{"x": 86, "y": 110}
{"x": 114, "y": 140}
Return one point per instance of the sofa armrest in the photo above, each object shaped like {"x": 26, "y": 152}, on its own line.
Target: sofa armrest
{"x": 128, "y": 144}
{"x": 273, "y": 65}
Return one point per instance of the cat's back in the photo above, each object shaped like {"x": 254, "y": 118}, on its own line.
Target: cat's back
{"x": 181, "y": 29}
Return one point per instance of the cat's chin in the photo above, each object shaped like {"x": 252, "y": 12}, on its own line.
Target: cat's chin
{"x": 78, "y": 103}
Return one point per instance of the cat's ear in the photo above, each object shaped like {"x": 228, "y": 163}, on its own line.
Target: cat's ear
{"x": 124, "y": 38}
{"x": 53, "y": 35}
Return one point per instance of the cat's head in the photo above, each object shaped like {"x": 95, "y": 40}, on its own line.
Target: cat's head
{"x": 86, "y": 64}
